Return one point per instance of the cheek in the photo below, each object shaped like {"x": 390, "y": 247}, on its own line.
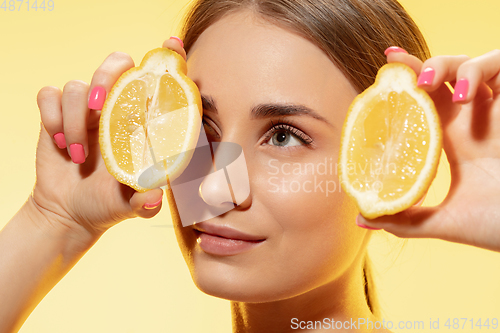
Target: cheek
{"x": 185, "y": 236}
{"x": 303, "y": 194}
{"x": 315, "y": 215}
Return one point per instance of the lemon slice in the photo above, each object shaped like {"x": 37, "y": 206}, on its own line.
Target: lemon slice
{"x": 151, "y": 118}
{"x": 390, "y": 145}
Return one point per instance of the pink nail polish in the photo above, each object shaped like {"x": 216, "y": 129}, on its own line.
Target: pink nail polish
{"x": 97, "y": 98}
{"x": 77, "y": 153}
{"x": 394, "y": 49}
{"x": 178, "y": 39}
{"x": 153, "y": 205}
{"x": 359, "y": 224}
{"x": 461, "y": 90}
{"x": 60, "y": 140}
{"x": 426, "y": 77}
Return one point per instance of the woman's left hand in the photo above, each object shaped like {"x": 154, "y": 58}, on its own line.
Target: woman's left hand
{"x": 470, "y": 213}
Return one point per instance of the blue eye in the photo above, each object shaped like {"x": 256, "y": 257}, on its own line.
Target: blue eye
{"x": 282, "y": 134}
{"x": 285, "y": 135}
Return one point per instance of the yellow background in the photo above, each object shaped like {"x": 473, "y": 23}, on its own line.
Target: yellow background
{"x": 134, "y": 279}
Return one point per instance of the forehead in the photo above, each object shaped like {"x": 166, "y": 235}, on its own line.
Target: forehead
{"x": 242, "y": 55}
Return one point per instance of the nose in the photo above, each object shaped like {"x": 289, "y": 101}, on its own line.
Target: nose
{"x": 228, "y": 186}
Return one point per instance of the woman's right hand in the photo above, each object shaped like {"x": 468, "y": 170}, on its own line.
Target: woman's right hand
{"x": 74, "y": 194}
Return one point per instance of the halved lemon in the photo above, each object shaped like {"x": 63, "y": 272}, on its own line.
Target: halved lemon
{"x": 391, "y": 143}
{"x": 151, "y": 120}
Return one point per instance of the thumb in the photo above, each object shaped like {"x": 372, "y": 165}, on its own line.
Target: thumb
{"x": 147, "y": 204}
{"x": 414, "y": 222}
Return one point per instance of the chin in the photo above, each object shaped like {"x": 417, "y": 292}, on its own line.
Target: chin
{"x": 223, "y": 277}
{"x": 234, "y": 290}
{"x": 231, "y": 279}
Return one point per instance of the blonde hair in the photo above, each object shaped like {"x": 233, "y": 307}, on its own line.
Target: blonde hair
{"x": 353, "y": 33}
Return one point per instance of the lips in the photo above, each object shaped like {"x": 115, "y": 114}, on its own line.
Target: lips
{"x": 226, "y": 232}
{"x": 224, "y": 241}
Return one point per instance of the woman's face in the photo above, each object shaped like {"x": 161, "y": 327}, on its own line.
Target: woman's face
{"x": 305, "y": 223}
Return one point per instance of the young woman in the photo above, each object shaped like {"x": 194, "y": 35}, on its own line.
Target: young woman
{"x": 301, "y": 63}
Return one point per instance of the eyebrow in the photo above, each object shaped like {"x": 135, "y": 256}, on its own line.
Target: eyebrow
{"x": 269, "y": 110}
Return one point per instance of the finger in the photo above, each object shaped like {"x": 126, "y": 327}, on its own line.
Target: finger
{"x": 397, "y": 54}
{"x": 175, "y": 44}
{"x": 103, "y": 80}
{"x": 49, "y": 104}
{"x": 75, "y": 114}
{"x": 472, "y": 73}
{"x": 414, "y": 222}
{"x": 435, "y": 72}
{"x": 438, "y": 70}
{"x": 147, "y": 204}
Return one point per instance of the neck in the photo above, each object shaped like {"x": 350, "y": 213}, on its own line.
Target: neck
{"x": 342, "y": 299}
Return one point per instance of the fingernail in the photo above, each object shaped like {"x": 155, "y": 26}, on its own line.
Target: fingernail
{"x": 60, "y": 140}
{"x": 461, "y": 90}
{"x": 394, "y": 49}
{"x": 178, "y": 39}
{"x": 426, "y": 77}
{"x": 97, "y": 98}
{"x": 153, "y": 205}
{"x": 359, "y": 224}
{"x": 77, "y": 153}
